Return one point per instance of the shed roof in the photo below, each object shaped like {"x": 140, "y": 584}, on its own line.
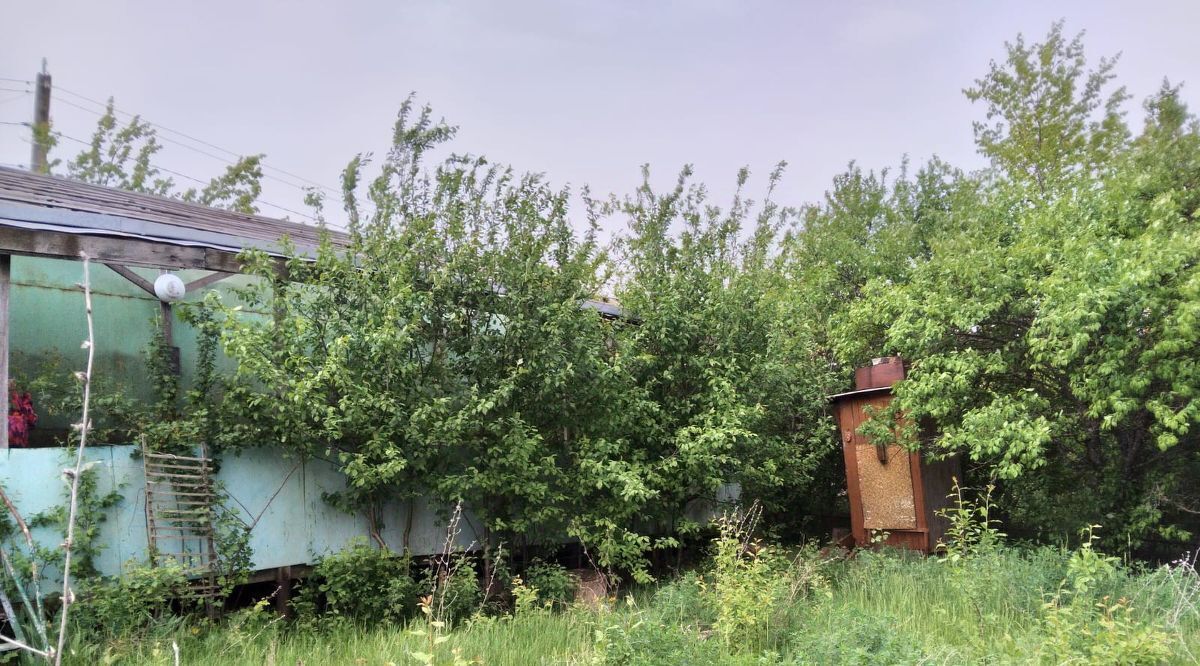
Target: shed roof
{"x": 40, "y": 203}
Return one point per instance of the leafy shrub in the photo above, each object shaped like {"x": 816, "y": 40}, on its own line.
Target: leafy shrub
{"x": 752, "y": 586}
{"x": 555, "y": 586}
{"x": 649, "y": 643}
{"x": 453, "y": 589}
{"x": 1079, "y": 626}
{"x": 367, "y": 583}
{"x": 134, "y": 602}
{"x": 684, "y": 600}
{"x": 1104, "y": 633}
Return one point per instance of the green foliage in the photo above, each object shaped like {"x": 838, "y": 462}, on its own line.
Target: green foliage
{"x": 882, "y": 607}
{"x": 852, "y": 638}
{"x": 91, "y": 513}
{"x": 231, "y": 540}
{"x": 1050, "y": 337}
{"x": 746, "y": 587}
{"x": 134, "y": 602}
{"x": 447, "y": 352}
{"x": 1108, "y": 634}
{"x": 555, "y": 586}
{"x": 237, "y": 189}
{"x": 58, "y": 398}
{"x": 122, "y": 156}
{"x": 1082, "y": 623}
{"x": 971, "y": 529}
{"x": 1050, "y": 118}
{"x": 366, "y": 583}
{"x": 650, "y": 643}
{"x": 751, "y": 587}
{"x": 451, "y": 589}
{"x": 733, "y": 392}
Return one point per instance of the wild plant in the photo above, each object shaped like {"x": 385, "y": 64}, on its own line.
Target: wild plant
{"x": 1078, "y": 628}
{"x": 971, "y": 545}
{"x": 555, "y": 586}
{"x": 971, "y": 530}
{"x": 525, "y": 597}
{"x": 752, "y": 584}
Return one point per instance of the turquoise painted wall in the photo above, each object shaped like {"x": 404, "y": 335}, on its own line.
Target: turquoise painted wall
{"x": 281, "y": 499}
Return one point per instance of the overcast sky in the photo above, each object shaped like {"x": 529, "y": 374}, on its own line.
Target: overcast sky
{"x": 584, "y": 91}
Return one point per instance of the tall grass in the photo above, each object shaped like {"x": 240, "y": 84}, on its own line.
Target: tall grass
{"x": 254, "y": 639}
{"x": 1005, "y": 605}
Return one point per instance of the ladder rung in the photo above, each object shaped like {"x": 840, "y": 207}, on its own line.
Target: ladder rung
{"x": 171, "y": 456}
{"x": 171, "y": 493}
{"x": 175, "y": 465}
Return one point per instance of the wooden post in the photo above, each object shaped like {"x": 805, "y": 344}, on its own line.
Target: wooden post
{"x": 173, "y": 356}
{"x": 41, "y": 122}
{"x": 5, "y": 279}
{"x": 283, "y": 593}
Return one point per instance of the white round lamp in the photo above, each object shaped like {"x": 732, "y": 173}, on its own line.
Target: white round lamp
{"x": 169, "y": 288}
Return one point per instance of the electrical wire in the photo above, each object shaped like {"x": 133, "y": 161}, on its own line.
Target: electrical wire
{"x": 196, "y": 180}
{"x": 202, "y": 142}
{"x": 13, "y": 98}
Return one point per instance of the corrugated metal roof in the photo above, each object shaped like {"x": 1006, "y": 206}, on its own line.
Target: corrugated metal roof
{"x": 38, "y": 202}
{"x": 35, "y": 201}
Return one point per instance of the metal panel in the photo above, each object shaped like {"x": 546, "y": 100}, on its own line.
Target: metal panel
{"x": 294, "y": 524}
{"x": 70, "y": 203}
{"x": 887, "y": 489}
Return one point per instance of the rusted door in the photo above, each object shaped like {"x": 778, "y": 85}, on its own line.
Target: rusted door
{"x": 884, "y": 478}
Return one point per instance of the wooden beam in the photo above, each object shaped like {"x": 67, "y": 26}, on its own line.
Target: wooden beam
{"x": 5, "y": 280}
{"x": 200, "y": 283}
{"x": 140, "y": 281}
{"x": 116, "y": 250}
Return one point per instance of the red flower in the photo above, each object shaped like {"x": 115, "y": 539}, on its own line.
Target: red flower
{"x": 21, "y": 417}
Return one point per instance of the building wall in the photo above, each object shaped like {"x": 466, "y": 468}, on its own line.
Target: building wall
{"x": 280, "y": 498}
{"x": 46, "y": 318}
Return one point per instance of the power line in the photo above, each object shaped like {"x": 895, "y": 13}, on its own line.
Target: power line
{"x": 20, "y": 90}
{"x": 199, "y": 181}
{"x": 14, "y": 98}
{"x": 184, "y": 145}
{"x": 25, "y": 81}
{"x": 168, "y": 140}
{"x": 202, "y": 142}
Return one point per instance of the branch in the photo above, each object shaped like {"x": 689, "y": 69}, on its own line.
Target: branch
{"x": 17, "y": 517}
{"x": 84, "y": 426}
{"x": 28, "y": 648}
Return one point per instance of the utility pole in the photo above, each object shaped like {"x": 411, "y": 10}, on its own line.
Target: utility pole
{"x": 41, "y": 122}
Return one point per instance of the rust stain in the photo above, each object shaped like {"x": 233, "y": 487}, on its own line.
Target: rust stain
{"x": 887, "y": 489}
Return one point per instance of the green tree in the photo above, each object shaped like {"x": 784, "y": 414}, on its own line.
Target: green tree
{"x": 445, "y": 352}
{"x": 1048, "y": 116}
{"x": 738, "y": 396}
{"x": 122, "y": 156}
{"x": 1051, "y": 337}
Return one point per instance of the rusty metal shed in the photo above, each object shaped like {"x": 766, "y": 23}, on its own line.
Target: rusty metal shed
{"x": 892, "y": 490}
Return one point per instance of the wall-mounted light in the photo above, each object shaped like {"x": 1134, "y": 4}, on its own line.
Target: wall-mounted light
{"x": 169, "y": 288}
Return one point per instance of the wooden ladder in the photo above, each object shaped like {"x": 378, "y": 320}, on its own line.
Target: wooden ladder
{"x": 179, "y": 518}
